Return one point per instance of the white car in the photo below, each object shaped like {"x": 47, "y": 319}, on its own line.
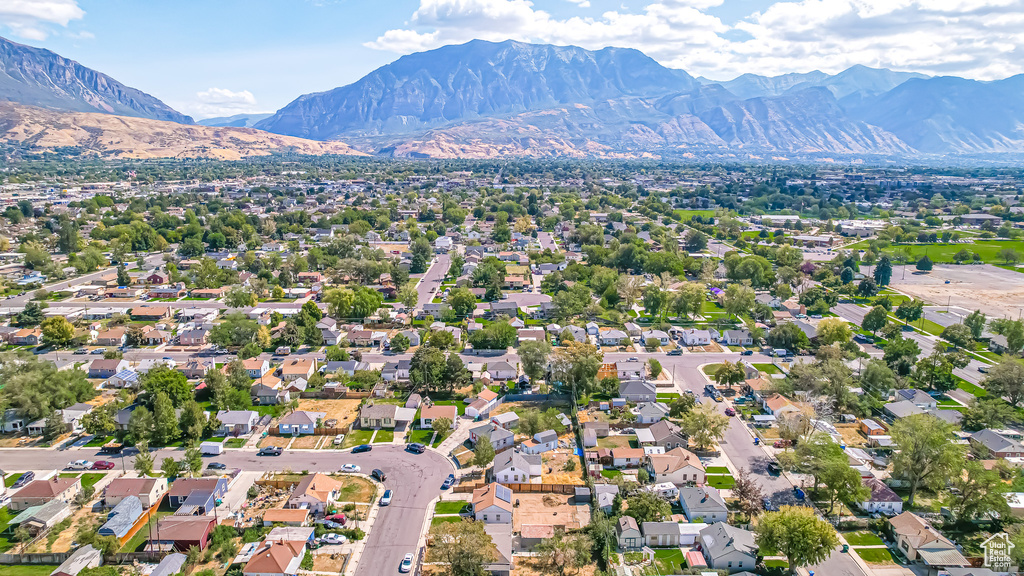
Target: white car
{"x": 80, "y": 465}
{"x": 406, "y": 563}
{"x": 350, "y": 468}
{"x": 334, "y": 539}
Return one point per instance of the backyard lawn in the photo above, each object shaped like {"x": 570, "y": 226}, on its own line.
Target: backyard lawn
{"x": 445, "y": 507}
{"x": 457, "y": 403}
{"x": 29, "y": 570}
{"x": 862, "y": 538}
{"x": 875, "y": 555}
{"x": 143, "y": 534}
{"x": 620, "y": 441}
{"x": 5, "y": 517}
{"x": 667, "y": 561}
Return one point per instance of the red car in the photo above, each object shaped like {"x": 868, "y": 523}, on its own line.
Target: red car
{"x": 730, "y": 412}
{"x": 102, "y": 465}
{"x": 339, "y": 518}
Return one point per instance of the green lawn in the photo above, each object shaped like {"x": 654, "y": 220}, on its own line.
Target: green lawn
{"x": 11, "y": 479}
{"x": 875, "y": 555}
{"x": 234, "y": 443}
{"x": 98, "y": 441}
{"x": 721, "y": 481}
{"x": 421, "y": 436}
{"x": 29, "y": 570}
{"x": 710, "y": 369}
{"x": 687, "y": 214}
{"x": 384, "y": 436}
{"x": 668, "y": 560}
{"x": 438, "y": 520}
{"x": 862, "y": 538}
{"x": 449, "y": 507}
{"x": 457, "y": 403}
{"x": 5, "y": 517}
{"x": 717, "y": 470}
{"x": 620, "y": 441}
{"x": 611, "y": 474}
{"x": 668, "y": 396}
{"x": 143, "y": 534}
{"x": 768, "y": 368}
{"x": 91, "y": 478}
{"x": 971, "y": 388}
{"x": 356, "y": 438}
{"x": 939, "y": 252}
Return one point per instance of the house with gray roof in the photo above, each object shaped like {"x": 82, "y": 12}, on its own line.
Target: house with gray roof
{"x": 917, "y": 397}
{"x": 499, "y": 437}
{"x": 122, "y": 517}
{"x": 171, "y": 564}
{"x": 651, "y": 412}
{"x": 627, "y": 534}
{"x": 901, "y": 409}
{"x": 514, "y": 466}
{"x": 703, "y": 504}
{"x": 1000, "y": 446}
{"x": 638, "y": 391}
{"x": 729, "y": 548}
{"x": 84, "y": 557}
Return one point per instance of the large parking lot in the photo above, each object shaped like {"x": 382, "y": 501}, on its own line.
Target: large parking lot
{"x": 995, "y": 291}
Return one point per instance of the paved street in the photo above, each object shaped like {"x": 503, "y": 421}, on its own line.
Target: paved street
{"x": 415, "y": 479}
{"x": 432, "y": 279}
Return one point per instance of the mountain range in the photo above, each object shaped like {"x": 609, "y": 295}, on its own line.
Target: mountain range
{"x": 491, "y": 99}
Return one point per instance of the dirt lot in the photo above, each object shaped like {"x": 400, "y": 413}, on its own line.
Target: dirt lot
{"x": 308, "y": 442}
{"x": 328, "y": 562}
{"x": 993, "y": 290}
{"x": 526, "y": 566}
{"x": 851, "y": 435}
{"x": 62, "y": 543}
{"x": 344, "y": 411}
{"x": 279, "y": 441}
{"x": 550, "y": 509}
{"x": 555, "y": 461}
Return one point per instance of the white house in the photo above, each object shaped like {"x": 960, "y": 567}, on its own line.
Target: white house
{"x": 541, "y": 442}
{"x": 300, "y": 422}
{"x": 656, "y": 337}
{"x": 694, "y": 337}
{"x": 612, "y": 337}
{"x": 514, "y": 466}
{"x": 236, "y": 422}
{"x": 492, "y": 504}
{"x": 882, "y": 500}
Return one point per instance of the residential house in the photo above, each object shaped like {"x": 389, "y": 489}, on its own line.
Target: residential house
{"x": 265, "y": 395}
{"x": 507, "y": 420}
{"x": 612, "y": 337}
{"x": 384, "y": 415}
{"x": 149, "y": 491}
{"x": 195, "y": 337}
{"x": 651, "y": 412}
{"x": 122, "y": 517}
{"x": 655, "y": 338}
{"x": 492, "y": 504}
{"x": 998, "y": 445}
{"x": 627, "y": 457}
{"x": 703, "y": 504}
{"x": 184, "y": 532}
{"x": 738, "y": 338}
{"x": 205, "y": 491}
{"x": 112, "y": 337}
{"x": 627, "y": 534}
{"x": 666, "y": 434}
{"x": 499, "y": 437}
{"x": 429, "y": 414}
{"x": 666, "y": 534}
{"x": 485, "y": 401}
{"x": 315, "y": 492}
{"x": 298, "y": 368}
{"x": 882, "y": 500}
{"x": 300, "y": 422}
{"x": 632, "y": 329}
{"x": 502, "y": 371}
{"x": 917, "y": 539}
{"x": 171, "y": 565}
{"x": 237, "y": 422}
{"x": 124, "y": 379}
{"x": 918, "y": 398}
{"x": 38, "y": 519}
{"x": 256, "y": 368}
{"x": 39, "y": 492}
{"x": 627, "y": 370}
{"x": 777, "y": 404}
{"x": 195, "y": 368}
{"x": 276, "y": 559}
{"x": 541, "y": 442}
{"x": 678, "y": 466}
{"x": 208, "y": 292}
{"x": 151, "y": 313}
{"x": 638, "y": 391}
{"x": 106, "y": 368}
{"x": 85, "y": 557}
{"x": 728, "y": 548}
{"x": 27, "y": 337}
{"x": 695, "y": 337}
{"x": 901, "y": 409}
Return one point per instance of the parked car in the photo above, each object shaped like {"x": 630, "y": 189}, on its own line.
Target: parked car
{"x": 769, "y": 506}
{"x": 416, "y": 448}
{"x": 385, "y": 500}
{"x": 334, "y": 539}
{"x": 781, "y": 444}
{"x": 675, "y": 352}
{"x": 270, "y": 451}
{"x": 102, "y": 465}
{"x": 216, "y": 466}
{"x": 730, "y": 412}
{"x": 79, "y": 465}
{"x": 362, "y": 448}
{"x": 983, "y": 369}
{"x": 24, "y": 479}
{"x": 98, "y": 351}
{"x": 378, "y": 475}
{"x": 774, "y": 469}
{"x": 351, "y": 468}
{"x": 747, "y": 353}
{"x": 81, "y": 351}
{"x": 339, "y": 518}
{"x": 406, "y": 564}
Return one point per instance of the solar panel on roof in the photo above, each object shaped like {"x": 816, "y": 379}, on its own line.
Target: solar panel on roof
{"x": 503, "y": 493}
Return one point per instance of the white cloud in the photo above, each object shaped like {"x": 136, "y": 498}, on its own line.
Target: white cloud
{"x": 975, "y": 38}
{"x": 222, "y": 102}
{"x": 33, "y": 19}
{"x": 581, "y": 3}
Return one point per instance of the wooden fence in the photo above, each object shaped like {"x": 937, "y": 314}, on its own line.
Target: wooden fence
{"x": 526, "y": 488}
{"x": 142, "y": 521}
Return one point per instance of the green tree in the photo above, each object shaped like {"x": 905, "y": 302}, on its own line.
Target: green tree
{"x": 789, "y": 336}
{"x": 564, "y": 554}
{"x": 976, "y": 322}
{"x": 576, "y": 365}
{"x": 1006, "y": 379}
{"x": 705, "y": 426}
{"x": 144, "y": 458}
{"x": 193, "y": 461}
{"x": 462, "y": 301}
{"x": 883, "y": 271}
{"x": 875, "y": 319}
{"x": 421, "y": 255}
{"x": 976, "y": 492}
{"x": 534, "y": 357}
{"x": 483, "y": 453}
{"x": 54, "y": 427}
{"x": 442, "y": 426}
{"x": 984, "y": 413}
{"x": 57, "y": 331}
{"x": 935, "y": 371}
{"x": 900, "y": 354}
{"x": 165, "y": 422}
{"x": 959, "y": 335}
{"x": 169, "y": 381}
{"x": 910, "y": 310}
{"x": 738, "y": 299}
{"x": 170, "y": 467}
{"x": 123, "y": 279}
{"x": 748, "y": 494}
{"x": 140, "y": 425}
{"x": 1012, "y": 330}
{"x": 798, "y": 534}
{"x": 927, "y": 456}
{"x": 843, "y": 484}
{"x": 729, "y": 373}
{"x": 399, "y": 343}
{"x": 192, "y": 421}
{"x": 833, "y": 331}
{"x": 646, "y": 506}
{"x": 924, "y": 264}
{"x": 462, "y": 548}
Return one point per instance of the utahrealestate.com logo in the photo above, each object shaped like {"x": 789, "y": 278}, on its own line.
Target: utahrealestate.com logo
{"x": 997, "y": 552}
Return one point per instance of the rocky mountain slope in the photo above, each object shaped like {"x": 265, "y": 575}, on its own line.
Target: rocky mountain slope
{"x": 38, "y": 129}
{"x": 38, "y": 77}
{"x": 236, "y": 121}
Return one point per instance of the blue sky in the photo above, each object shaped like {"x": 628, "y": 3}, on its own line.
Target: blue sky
{"x": 219, "y": 57}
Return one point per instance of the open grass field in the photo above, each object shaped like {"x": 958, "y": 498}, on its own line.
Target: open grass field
{"x": 988, "y": 250}
{"x": 687, "y": 214}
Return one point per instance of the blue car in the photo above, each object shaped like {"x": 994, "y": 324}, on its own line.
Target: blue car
{"x": 448, "y": 482}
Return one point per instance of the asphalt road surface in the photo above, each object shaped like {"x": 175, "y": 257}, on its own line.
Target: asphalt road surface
{"x": 432, "y": 279}
{"x": 415, "y": 479}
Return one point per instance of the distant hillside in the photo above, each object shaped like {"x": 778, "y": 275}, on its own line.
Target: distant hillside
{"x": 236, "y": 121}
{"x": 126, "y": 137}
{"x": 38, "y": 77}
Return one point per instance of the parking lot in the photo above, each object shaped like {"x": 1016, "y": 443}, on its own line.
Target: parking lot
{"x": 995, "y": 291}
